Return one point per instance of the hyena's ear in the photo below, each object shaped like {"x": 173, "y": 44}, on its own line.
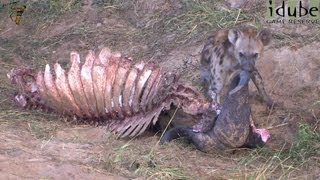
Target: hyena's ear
{"x": 233, "y": 35}
{"x": 265, "y": 36}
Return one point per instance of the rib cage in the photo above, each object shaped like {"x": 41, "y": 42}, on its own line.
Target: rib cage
{"x": 127, "y": 96}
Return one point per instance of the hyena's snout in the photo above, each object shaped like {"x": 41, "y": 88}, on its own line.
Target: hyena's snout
{"x": 248, "y": 62}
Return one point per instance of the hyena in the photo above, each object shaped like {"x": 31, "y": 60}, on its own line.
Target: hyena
{"x": 228, "y": 51}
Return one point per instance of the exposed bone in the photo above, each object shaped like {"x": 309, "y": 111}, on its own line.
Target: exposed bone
{"x": 87, "y": 84}
{"x": 107, "y": 88}
{"x": 120, "y": 77}
{"x": 99, "y": 77}
{"x": 62, "y": 86}
{"x": 52, "y": 93}
{"x": 41, "y": 86}
{"x": 75, "y": 83}
{"x": 128, "y": 90}
{"x": 111, "y": 70}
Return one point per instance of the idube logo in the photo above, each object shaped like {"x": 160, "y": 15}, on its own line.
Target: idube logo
{"x": 294, "y": 12}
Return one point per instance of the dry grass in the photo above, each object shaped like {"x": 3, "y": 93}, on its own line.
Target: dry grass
{"x": 284, "y": 163}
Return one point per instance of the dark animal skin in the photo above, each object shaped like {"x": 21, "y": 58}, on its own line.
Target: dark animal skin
{"x": 231, "y": 129}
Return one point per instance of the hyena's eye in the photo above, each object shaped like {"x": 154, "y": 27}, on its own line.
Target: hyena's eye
{"x": 241, "y": 55}
{"x": 255, "y": 55}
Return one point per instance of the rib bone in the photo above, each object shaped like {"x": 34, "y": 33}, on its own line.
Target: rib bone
{"x": 128, "y": 97}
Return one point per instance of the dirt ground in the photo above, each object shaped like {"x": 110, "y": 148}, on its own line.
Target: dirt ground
{"x": 39, "y": 145}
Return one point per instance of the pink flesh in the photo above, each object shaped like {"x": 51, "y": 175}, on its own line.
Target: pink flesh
{"x": 264, "y": 133}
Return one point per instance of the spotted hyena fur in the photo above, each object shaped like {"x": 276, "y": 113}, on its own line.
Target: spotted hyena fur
{"x": 228, "y": 51}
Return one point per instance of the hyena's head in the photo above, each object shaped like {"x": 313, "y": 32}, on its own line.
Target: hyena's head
{"x": 248, "y": 45}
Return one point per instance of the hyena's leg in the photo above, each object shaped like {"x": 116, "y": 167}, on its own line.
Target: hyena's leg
{"x": 257, "y": 80}
{"x": 214, "y": 91}
{"x": 215, "y": 101}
